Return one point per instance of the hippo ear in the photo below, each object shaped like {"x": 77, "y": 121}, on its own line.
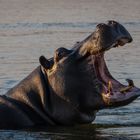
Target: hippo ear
{"x": 44, "y": 62}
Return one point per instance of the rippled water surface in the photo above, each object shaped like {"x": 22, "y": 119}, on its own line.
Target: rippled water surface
{"x": 30, "y": 28}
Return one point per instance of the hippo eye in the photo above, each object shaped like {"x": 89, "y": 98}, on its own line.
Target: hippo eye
{"x": 61, "y": 52}
{"x": 59, "y": 55}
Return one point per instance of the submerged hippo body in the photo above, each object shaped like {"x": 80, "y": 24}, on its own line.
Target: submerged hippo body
{"x": 69, "y": 88}
{"x": 31, "y": 103}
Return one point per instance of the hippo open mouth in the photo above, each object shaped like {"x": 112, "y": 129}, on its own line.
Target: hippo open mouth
{"x": 114, "y": 93}
{"x": 105, "y": 37}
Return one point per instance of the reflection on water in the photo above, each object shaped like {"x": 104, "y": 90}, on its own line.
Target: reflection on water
{"x": 84, "y": 132}
{"x": 30, "y": 29}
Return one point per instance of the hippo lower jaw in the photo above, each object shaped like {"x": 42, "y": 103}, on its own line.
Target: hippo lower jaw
{"x": 114, "y": 93}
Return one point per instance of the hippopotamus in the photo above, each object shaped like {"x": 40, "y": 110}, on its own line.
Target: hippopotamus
{"x": 70, "y": 87}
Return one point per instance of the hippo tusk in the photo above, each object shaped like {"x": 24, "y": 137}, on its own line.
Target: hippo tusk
{"x": 130, "y": 82}
{"x": 110, "y": 88}
{"x": 129, "y": 87}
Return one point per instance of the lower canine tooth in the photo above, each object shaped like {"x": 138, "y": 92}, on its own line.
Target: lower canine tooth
{"x": 126, "y": 89}
{"x": 110, "y": 88}
{"x": 130, "y": 82}
{"x": 129, "y": 87}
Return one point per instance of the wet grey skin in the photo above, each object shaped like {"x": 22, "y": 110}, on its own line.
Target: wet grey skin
{"x": 70, "y": 87}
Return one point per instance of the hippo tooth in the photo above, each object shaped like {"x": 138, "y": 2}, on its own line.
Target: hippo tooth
{"x": 129, "y": 87}
{"x": 130, "y": 82}
{"x": 110, "y": 88}
{"x": 126, "y": 89}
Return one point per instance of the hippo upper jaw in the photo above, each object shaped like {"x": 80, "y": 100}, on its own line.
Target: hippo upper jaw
{"x": 105, "y": 37}
{"x": 111, "y": 35}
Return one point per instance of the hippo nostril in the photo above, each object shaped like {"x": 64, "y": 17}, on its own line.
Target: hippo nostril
{"x": 112, "y": 22}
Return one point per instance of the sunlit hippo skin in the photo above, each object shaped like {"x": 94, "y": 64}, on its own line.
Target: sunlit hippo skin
{"x": 71, "y": 87}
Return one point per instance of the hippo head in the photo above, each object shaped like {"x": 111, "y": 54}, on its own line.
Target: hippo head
{"x": 80, "y": 75}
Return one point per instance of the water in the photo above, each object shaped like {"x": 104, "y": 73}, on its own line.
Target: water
{"x": 31, "y": 28}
